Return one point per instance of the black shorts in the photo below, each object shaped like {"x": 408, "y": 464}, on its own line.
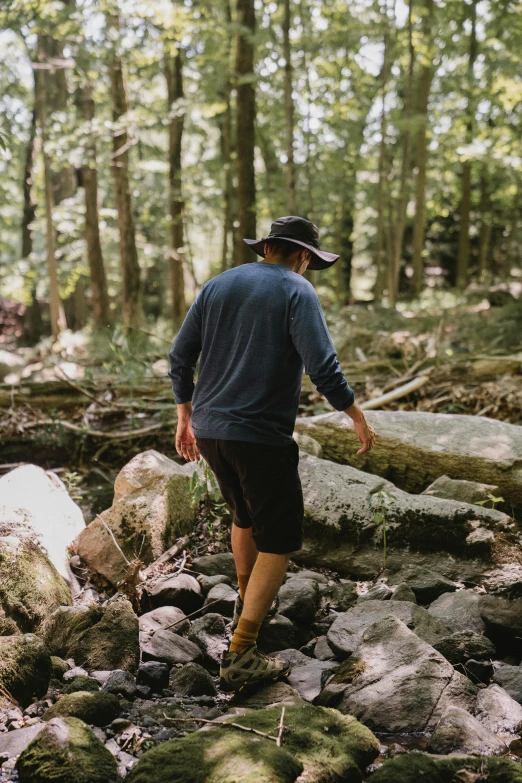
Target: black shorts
{"x": 261, "y": 485}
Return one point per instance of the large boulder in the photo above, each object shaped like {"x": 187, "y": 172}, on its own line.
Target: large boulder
{"x": 498, "y": 711}
{"x": 459, "y": 732}
{"x": 168, "y": 647}
{"x": 510, "y": 678}
{"x": 181, "y": 590}
{"x": 503, "y": 618}
{"x": 400, "y": 683}
{"x": 151, "y": 506}
{"x": 343, "y": 529}
{"x": 319, "y": 746}
{"x": 97, "y": 708}
{"x": 96, "y": 637}
{"x": 299, "y": 600}
{"x": 457, "y": 489}
{"x": 415, "y": 448}
{"x": 459, "y": 611}
{"x": 66, "y": 751}
{"x": 35, "y": 504}
{"x": 98, "y": 549}
{"x": 415, "y": 767}
{"x": 25, "y": 667}
{"x": 30, "y": 585}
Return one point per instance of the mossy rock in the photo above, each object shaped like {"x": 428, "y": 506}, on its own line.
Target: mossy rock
{"x": 66, "y": 751}
{"x": 320, "y": 743}
{"x": 98, "y": 709}
{"x": 59, "y": 667}
{"x": 81, "y": 683}
{"x": 30, "y": 587}
{"x": 414, "y": 767}
{"x": 25, "y": 666}
{"x": 98, "y": 638}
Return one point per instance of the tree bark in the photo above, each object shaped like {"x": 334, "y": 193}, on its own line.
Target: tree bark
{"x": 485, "y": 227}
{"x": 465, "y": 202}
{"x": 29, "y": 205}
{"x": 100, "y": 296}
{"x": 132, "y": 311}
{"x": 291, "y": 198}
{"x": 226, "y": 134}
{"x": 174, "y": 78}
{"x": 246, "y": 120}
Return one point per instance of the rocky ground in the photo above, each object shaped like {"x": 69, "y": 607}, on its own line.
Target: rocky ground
{"x": 406, "y": 659}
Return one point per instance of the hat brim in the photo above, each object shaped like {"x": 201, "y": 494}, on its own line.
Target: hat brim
{"x": 320, "y": 258}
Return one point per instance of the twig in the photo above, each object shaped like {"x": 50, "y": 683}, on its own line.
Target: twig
{"x": 281, "y": 728}
{"x": 95, "y": 433}
{"x": 396, "y": 394}
{"x": 181, "y": 567}
{"x": 73, "y": 385}
{"x": 113, "y": 538}
{"x": 219, "y": 723}
{"x": 5, "y": 693}
{"x": 174, "y": 550}
{"x": 178, "y": 622}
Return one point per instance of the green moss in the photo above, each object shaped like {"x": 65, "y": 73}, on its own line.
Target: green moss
{"x": 25, "y": 666}
{"x": 59, "y": 667}
{"x": 66, "y": 751}
{"x": 349, "y": 670}
{"x": 98, "y": 709}
{"x": 81, "y": 683}
{"x": 30, "y": 587}
{"x": 498, "y": 770}
{"x": 414, "y": 767}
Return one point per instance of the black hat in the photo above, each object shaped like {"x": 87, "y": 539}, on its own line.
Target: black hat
{"x": 301, "y": 232}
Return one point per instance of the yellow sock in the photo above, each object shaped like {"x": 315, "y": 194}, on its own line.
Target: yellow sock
{"x": 244, "y": 635}
{"x": 242, "y": 580}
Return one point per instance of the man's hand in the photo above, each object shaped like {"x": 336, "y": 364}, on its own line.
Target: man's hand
{"x": 185, "y": 438}
{"x": 365, "y": 432}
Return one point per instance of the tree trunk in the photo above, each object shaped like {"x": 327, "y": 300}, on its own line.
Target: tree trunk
{"x": 29, "y": 205}
{"x": 246, "y": 119}
{"x": 420, "y": 185}
{"x": 465, "y": 202}
{"x": 100, "y": 296}
{"x": 485, "y": 227}
{"x": 226, "y": 131}
{"x": 291, "y": 198}
{"x": 132, "y": 311}
{"x": 174, "y": 77}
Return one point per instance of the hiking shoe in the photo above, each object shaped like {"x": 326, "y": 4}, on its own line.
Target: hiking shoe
{"x": 251, "y": 667}
{"x": 238, "y": 608}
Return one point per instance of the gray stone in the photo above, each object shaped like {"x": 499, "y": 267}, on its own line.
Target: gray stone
{"x": 459, "y": 732}
{"x": 209, "y": 634}
{"x": 294, "y": 657}
{"x": 299, "y": 600}
{"x": 191, "y": 680}
{"x": 168, "y": 647}
{"x": 429, "y": 585}
{"x": 504, "y": 580}
{"x": 76, "y": 671}
{"x": 181, "y": 590}
{"x": 460, "y": 489}
{"x": 378, "y": 592}
{"x": 310, "y": 677}
{"x": 403, "y": 592}
{"x": 348, "y": 628}
{"x": 344, "y": 595}
{"x": 225, "y": 597}
{"x": 308, "y": 444}
{"x": 479, "y": 671}
{"x": 510, "y": 678}
{"x": 461, "y": 646}
{"x": 315, "y": 576}
{"x": 503, "y": 618}
{"x": 101, "y": 677}
{"x": 208, "y": 582}
{"x": 497, "y": 711}
{"x": 459, "y": 611}
{"x": 165, "y": 617}
{"x": 12, "y": 743}
{"x": 121, "y": 683}
{"x": 210, "y": 565}
{"x": 278, "y": 634}
{"x": 322, "y": 650}
{"x": 154, "y": 675}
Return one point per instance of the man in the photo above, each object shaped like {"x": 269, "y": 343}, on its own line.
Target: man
{"x": 257, "y": 326}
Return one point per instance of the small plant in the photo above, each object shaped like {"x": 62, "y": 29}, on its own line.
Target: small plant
{"x": 203, "y": 488}
{"x": 380, "y": 503}
{"x": 490, "y": 498}
{"x": 72, "y": 481}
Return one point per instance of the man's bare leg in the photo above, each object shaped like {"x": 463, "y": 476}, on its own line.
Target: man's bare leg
{"x": 265, "y": 580}
{"x": 245, "y": 555}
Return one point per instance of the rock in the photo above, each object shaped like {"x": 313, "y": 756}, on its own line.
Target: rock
{"x": 458, "y": 489}
{"x": 428, "y": 585}
{"x": 181, "y": 590}
{"x": 225, "y": 597}
{"x": 153, "y": 674}
{"x": 99, "y": 708}
{"x": 25, "y": 667}
{"x": 46, "y": 515}
{"x": 504, "y": 580}
{"x": 66, "y": 751}
{"x": 403, "y": 592}
{"x": 479, "y": 671}
{"x": 320, "y": 745}
{"x": 120, "y": 683}
{"x": 459, "y": 611}
{"x": 415, "y": 448}
{"x": 313, "y": 575}
{"x": 81, "y": 683}
{"x": 461, "y": 646}
{"x": 164, "y": 617}
{"x": 169, "y": 647}
{"x": 294, "y": 657}
{"x": 208, "y": 582}
{"x": 299, "y": 600}
{"x": 212, "y": 565}
{"x": 191, "y": 680}
{"x": 344, "y": 595}
{"x": 101, "y": 637}
{"x": 459, "y": 732}
{"x": 415, "y": 767}
{"x": 497, "y": 711}
{"x": 322, "y": 650}
{"x": 378, "y": 592}
{"x": 510, "y": 678}
{"x": 59, "y": 667}
{"x": 503, "y": 618}
{"x": 151, "y": 506}
{"x": 348, "y": 628}
{"x": 309, "y": 678}
{"x": 9, "y": 363}
{"x": 399, "y": 684}
{"x": 12, "y": 743}
{"x": 268, "y": 695}
{"x": 97, "y": 548}
{"x": 30, "y": 586}
{"x": 278, "y": 634}
{"x": 308, "y": 444}
{"x": 209, "y": 634}
{"x": 72, "y": 674}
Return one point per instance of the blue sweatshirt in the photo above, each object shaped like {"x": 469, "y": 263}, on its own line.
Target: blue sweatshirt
{"x": 257, "y": 326}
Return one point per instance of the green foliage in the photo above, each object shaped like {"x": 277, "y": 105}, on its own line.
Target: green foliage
{"x": 72, "y": 481}
{"x": 491, "y": 499}
{"x": 204, "y": 491}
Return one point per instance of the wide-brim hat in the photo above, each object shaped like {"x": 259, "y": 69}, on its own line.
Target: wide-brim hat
{"x": 301, "y": 232}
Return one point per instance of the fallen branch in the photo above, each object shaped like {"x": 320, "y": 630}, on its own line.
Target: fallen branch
{"x": 104, "y": 523}
{"x": 281, "y": 728}
{"x": 396, "y": 394}
{"x": 95, "y": 433}
{"x": 178, "y": 622}
{"x": 169, "y": 554}
{"x": 219, "y": 723}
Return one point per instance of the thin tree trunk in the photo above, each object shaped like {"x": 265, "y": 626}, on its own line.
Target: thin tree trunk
{"x": 174, "y": 77}
{"x": 422, "y": 149}
{"x": 132, "y": 311}
{"x": 227, "y": 151}
{"x": 246, "y": 121}
{"x": 100, "y": 296}
{"x": 291, "y": 198}
{"x": 29, "y": 205}
{"x": 465, "y": 202}
{"x": 485, "y": 226}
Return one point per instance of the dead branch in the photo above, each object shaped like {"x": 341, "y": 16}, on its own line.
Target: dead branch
{"x": 219, "y": 723}
{"x": 115, "y": 435}
{"x": 169, "y": 554}
{"x": 281, "y": 728}
{"x": 396, "y": 394}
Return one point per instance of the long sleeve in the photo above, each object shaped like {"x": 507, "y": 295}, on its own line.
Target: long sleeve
{"x": 184, "y": 353}
{"x": 312, "y": 341}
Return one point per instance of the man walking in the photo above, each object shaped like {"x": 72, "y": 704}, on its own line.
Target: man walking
{"x": 256, "y": 327}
